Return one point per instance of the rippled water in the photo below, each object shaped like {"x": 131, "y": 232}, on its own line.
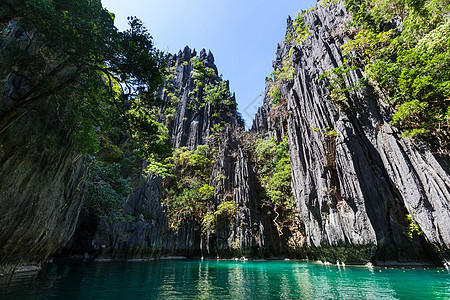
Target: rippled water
{"x": 225, "y": 280}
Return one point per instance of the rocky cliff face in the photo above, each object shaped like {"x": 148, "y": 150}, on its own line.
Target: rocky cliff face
{"x": 194, "y": 117}
{"x": 266, "y": 122}
{"x": 249, "y": 231}
{"x": 41, "y": 176}
{"x": 191, "y": 122}
{"x": 145, "y": 236}
{"x": 41, "y": 188}
{"x": 363, "y": 193}
{"x": 354, "y": 179}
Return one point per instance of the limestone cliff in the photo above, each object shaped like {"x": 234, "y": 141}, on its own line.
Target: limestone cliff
{"x": 194, "y": 117}
{"x": 41, "y": 176}
{"x": 355, "y": 179}
{"x": 41, "y": 188}
{"x": 191, "y": 121}
{"x": 363, "y": 193}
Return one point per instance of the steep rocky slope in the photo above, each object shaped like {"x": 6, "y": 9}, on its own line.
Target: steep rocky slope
{"x": 363, "y": 193}
{"x": 193, "y": 119}
{"x": 41, "y": 176}
{"x": 355, "y": 180}
{"x": 41, "y": 188}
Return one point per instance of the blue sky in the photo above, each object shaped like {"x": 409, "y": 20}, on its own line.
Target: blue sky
{"x": 242, "y": 35}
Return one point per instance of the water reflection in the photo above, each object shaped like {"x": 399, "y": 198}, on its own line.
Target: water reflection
{"x": 225, "y": 280}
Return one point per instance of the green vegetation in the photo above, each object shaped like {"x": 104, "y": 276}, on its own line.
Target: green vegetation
{"x": 221, "y": 101}
{"x": 107, "y": 189}
{"x": 408, "y": 67}
{"x": 198, "y": 72}
{"x": 281, "y": 76}
{"x": 214, "y": 91}
{"x": 330, "y": 136}
{"x": 186, "y": 172}
{"x": 326, "y": 3}
{"x": 99, "y": 84}
{"x": 326, "y": 132}
{"x": 275, "y": 95}
{"x": 210, "y": 72}
{"x": 103, "y": 86}
{"x": 296, "y": 33}
{"x": 101, "y": 70}
{"x": 186, "y": 175}
{"x": 284, "y": 74}
{"x": 226, "y": 208}
{"x": 279, "y": 110}
{"x": 209, "y": 89}
{"x": 274, "y": 170}
{"x": 340, "y": 90}
{"x": 299, "y": 31}
{"x": 413, "y": 229}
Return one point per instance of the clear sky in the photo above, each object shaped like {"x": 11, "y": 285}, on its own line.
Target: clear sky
{"x": 241, "y": 34}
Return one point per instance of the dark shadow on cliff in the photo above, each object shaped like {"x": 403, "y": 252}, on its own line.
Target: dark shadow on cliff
{"x": 384, "y": 204}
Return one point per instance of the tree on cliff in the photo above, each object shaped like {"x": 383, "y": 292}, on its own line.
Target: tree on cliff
{"x": 69, "y": 51}
{"x": 405, "y": 48}
{"x": 66, "y": 62}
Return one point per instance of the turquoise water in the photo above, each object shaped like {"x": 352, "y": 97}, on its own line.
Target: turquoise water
{"x": 225, "y": 280}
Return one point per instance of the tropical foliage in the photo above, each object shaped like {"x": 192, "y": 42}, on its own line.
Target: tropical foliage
{"x": 405, "y": 47}
{"x": 186, "y": 176}
{"x": 274, "y": 170}
{"x": 99, "y": 83}
{"x": 93, "y": 72}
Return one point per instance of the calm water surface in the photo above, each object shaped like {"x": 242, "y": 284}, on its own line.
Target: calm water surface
{"x": 225, "y": 280}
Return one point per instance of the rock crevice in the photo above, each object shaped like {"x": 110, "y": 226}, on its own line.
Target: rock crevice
{"x": 376, "y": 177}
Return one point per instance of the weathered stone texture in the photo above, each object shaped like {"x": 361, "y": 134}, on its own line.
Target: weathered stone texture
{"x": 41, "y": 188}
{"x": 41, "y": 175}
{"x": 244, "y": 233}
{"x": 360, "y": 199}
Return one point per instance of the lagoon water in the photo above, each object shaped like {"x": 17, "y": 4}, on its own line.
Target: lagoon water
{"x": 211, "y": 279}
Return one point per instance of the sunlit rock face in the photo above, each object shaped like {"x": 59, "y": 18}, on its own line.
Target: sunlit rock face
{"x": 248, "y": 232}
{"x": 358, "y": 186}
{"x": 353, "y": 178}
